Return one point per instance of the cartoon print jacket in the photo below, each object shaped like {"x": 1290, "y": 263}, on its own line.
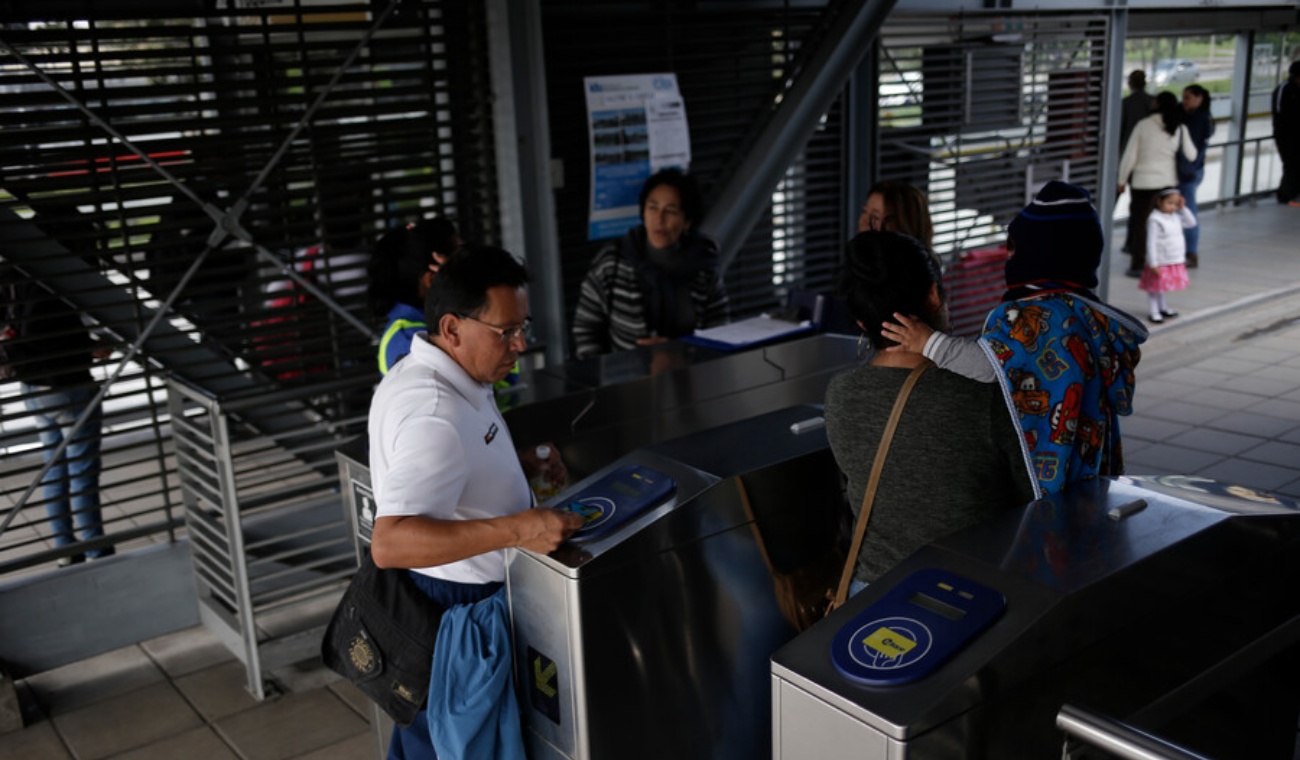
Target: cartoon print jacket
{"x": 1067, "y": 372}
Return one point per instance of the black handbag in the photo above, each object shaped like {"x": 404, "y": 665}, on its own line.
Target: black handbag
{"x": 381, "y": 637}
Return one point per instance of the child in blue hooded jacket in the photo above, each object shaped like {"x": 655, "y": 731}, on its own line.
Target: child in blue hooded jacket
{"x": 1064, "y": 358}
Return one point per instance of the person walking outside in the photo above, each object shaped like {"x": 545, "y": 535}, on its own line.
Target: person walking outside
{"x": 1286, "y": 133}
{"x": 1148, "y": 163}
{"x": 1136, "y": 106}
{"x": 1200, "y": 125}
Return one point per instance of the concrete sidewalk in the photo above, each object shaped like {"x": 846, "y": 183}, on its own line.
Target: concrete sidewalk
{"x": 1218, "y": 388}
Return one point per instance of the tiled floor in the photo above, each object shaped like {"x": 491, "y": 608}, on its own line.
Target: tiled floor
{"x": 1218, "y": 391}
{"x": 1218, "y": 395}
{"x": 182, "y": 696}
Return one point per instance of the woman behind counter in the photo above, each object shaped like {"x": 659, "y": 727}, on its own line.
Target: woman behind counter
{"x": 659, "y": 281}
{"x": 955, "y": 459}
{"x": 897, "y": 207}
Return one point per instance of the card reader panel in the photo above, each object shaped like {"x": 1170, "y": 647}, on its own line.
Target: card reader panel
{"x": 619, "y": 496}
{"x": 911, "y": 630}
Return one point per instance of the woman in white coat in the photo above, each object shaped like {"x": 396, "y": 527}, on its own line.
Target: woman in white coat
{"x": 1148, "y": 165}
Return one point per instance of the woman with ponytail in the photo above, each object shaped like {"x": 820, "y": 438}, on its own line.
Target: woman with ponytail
{"x": 954, "y": 459}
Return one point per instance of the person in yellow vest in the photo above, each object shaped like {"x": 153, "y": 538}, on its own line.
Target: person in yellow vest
{"x": 402, "y": 265}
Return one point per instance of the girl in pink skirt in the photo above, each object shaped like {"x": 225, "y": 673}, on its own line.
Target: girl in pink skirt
{"x": 1166, "y": 267}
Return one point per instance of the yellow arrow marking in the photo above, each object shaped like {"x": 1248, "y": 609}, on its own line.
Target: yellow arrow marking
{"x": 543, "y": 676}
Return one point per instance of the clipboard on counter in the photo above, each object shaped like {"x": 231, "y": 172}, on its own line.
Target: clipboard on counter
{"x": 747, "y": 333}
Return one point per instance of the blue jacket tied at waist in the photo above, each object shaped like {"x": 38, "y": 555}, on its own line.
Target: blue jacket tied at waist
{"x": 479, "y": 717}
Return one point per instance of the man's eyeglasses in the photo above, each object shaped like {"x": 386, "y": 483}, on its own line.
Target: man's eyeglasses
{"x": 507, "y": 334}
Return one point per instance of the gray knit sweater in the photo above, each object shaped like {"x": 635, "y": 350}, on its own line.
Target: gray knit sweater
{"x": 954, "y": 460}
{"x": 611, "y": 312}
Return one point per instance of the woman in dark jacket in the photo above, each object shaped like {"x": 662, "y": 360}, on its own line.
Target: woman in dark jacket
{"x": 1200, "y": 125}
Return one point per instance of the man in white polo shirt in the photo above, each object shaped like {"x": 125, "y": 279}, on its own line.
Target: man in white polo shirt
{"x": 451, "y": 494}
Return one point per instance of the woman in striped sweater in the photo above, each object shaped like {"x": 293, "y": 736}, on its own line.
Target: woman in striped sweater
{"x": 659, "y": 281}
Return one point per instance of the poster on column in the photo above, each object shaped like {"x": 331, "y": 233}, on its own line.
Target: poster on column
{"x": 637, "y": 125}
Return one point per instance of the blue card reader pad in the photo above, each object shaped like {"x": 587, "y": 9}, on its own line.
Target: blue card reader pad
{"x": 914, "y": 628}
{"x": 616, "y": 498}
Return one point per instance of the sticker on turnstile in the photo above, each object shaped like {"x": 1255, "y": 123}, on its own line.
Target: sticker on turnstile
{"x": 916, "y": 626}
{"x": 617, "y": 497}
{"x": 544, "y": 694}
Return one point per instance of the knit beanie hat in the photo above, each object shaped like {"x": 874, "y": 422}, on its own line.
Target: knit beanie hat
{"x": 1057, "y": 237}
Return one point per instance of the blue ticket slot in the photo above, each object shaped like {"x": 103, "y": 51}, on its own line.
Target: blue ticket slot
{"x": 911, "y": 630}
{"x": 616, "y": 498}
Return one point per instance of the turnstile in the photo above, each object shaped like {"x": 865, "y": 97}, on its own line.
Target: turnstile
{"x": 598, "y": 409}
{"x": 1166, "y": 604}
{"x": 650, "y": 638}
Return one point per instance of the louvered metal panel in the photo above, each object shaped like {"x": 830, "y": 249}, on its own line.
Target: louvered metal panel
{"x": 978, "y": 110}
{"x": 729, "y": 58}
{"x": 126, "y": 137}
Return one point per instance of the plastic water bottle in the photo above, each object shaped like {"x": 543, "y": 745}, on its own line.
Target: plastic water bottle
{"x": 543, "y": 489}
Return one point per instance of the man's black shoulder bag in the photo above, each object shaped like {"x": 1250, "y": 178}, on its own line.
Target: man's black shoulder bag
{"x": 381, "y": 639}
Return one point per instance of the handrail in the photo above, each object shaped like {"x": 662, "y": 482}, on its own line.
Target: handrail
{"x": 1118, "y": 738}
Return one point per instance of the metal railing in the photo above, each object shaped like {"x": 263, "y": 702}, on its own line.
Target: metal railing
{"x": 265, "y": 521}
{"x": 1119, "y": 739}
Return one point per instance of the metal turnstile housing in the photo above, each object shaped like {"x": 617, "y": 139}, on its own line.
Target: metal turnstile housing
{"x": 1166, "y": 603}
{"x": 653, "y": 641}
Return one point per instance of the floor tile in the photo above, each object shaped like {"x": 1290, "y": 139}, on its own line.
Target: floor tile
{"x": 1149, "y": 392}
{"x": 1189, "y": 376}
{"x": 1184, "y": 412}
{"x": 1161, "y": 384}
{"x": 1259, "y": 425}
{"x": 1288, "y": 410}
{"x": 218, "y": 691}
{"x": 196, "y": 744}
{"x": 1257, "y": 475}
{"x": 297, "y": 617}
{"x": 1226, "y": 366}
{"x": 1222, "y": 398}
{"x": 301, "y": 676}
{"x": 35, "y": 741}
{"x": 363, "y": 746}
{"x": 1132, "y": 445}
{"x": 1291, "y": 490}
{"x": 1280, "y": 453}
{"x": 353, "y": 697}
{"x": 1168, "y": 460}
{"x": 187, "y": 651}
{"x": 1261, "y": 386}
{"x": 1143, "y": 427}
{"x": 1257, "y": 354}
{"x": 1285, "y": 371}
{"x": 260, "y": 734}
{"x": 114, "y": 725}
{"x": 91, "y": 680}
{"x": 1215, "y": 441}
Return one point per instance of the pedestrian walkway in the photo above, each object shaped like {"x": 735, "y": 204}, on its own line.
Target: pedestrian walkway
{"x": 1218, "y": 389}
{"x": 1218, "y": 395}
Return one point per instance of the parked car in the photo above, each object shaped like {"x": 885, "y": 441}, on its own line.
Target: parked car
{"x": 1175, "y": 71}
